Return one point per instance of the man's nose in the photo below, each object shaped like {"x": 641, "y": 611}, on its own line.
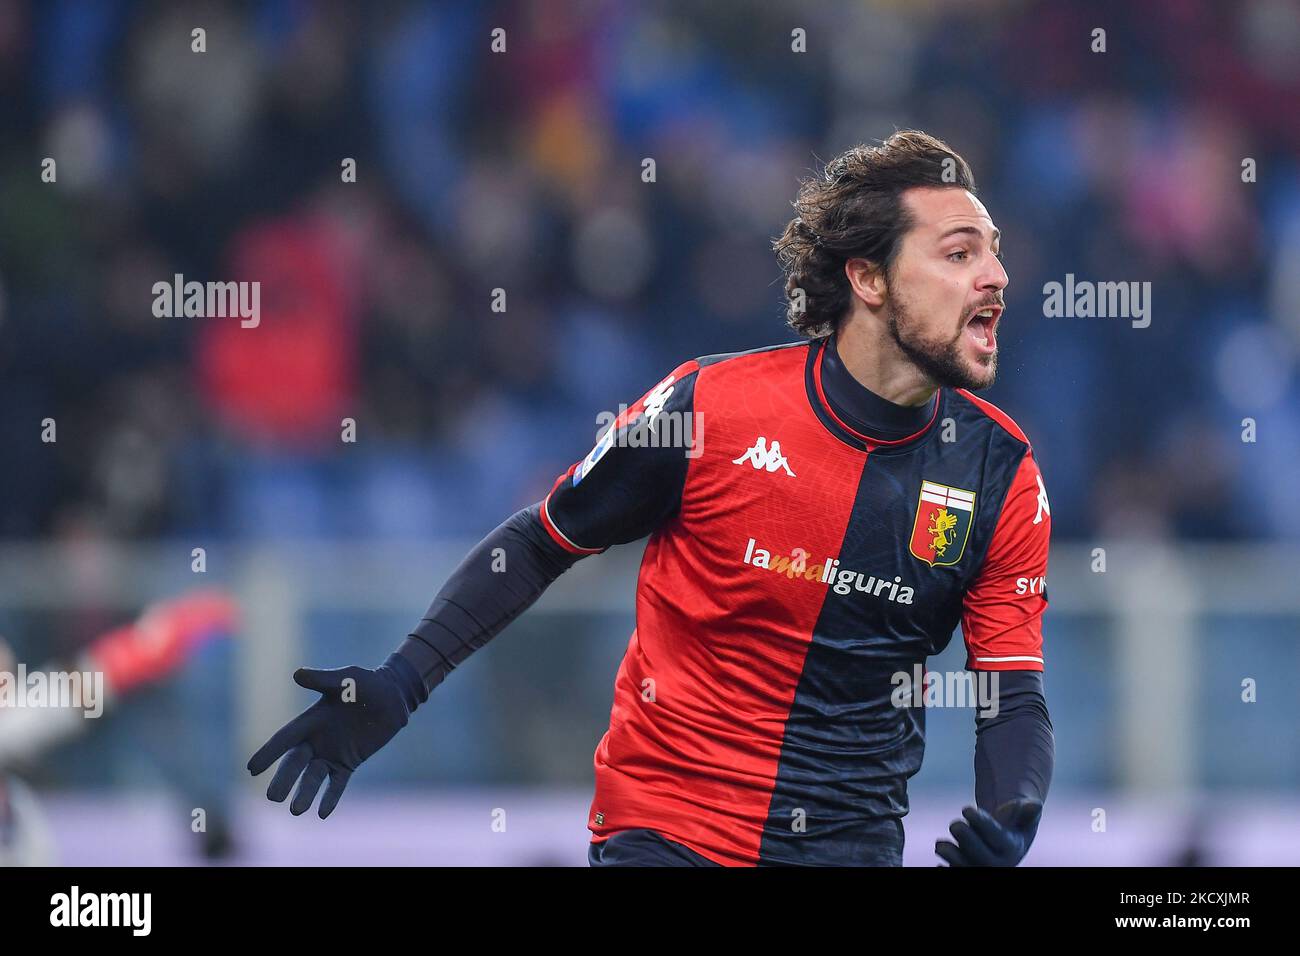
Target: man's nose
{"x": 994, "y": 278}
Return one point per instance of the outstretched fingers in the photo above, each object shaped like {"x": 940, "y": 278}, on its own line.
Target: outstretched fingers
{"x": 287, "y": 773}
{"x": 282, "y": 741}
{"x": 338, "y": 781}
{"x": 308, "y": 787}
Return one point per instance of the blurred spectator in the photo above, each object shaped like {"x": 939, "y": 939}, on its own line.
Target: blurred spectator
{"x": 522, "y": 171}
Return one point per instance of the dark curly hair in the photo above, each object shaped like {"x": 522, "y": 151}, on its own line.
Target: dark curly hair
{"x": 855, "y": 210}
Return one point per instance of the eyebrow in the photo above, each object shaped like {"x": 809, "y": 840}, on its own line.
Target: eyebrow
{"x": 997, "y": 233}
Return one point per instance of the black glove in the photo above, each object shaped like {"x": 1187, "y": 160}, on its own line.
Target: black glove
{"x": 992, "y": 839}
{"x": 333, "y": 736}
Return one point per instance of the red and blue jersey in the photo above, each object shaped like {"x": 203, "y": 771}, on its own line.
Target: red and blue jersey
{"x": 795, "y": 564}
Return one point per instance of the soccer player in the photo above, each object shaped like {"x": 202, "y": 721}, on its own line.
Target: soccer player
{"x": 822, "y": 514}
{"x": 146, "y": 651}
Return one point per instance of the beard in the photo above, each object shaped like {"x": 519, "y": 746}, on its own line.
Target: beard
{"x": 943, "y": 362}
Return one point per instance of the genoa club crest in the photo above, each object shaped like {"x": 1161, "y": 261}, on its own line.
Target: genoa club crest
{"x": 943, "y": 520}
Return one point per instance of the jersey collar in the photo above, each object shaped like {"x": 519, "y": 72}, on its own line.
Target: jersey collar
{"x": 880, "y": 424}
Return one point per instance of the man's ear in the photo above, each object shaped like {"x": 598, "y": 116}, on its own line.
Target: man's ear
{"x": 867, "y": 281}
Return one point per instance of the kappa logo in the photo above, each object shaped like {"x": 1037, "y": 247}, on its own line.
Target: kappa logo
{"x": 1043, "y": 506}
{"x": 654, "y": 402}
{"x": 763, "y": 457}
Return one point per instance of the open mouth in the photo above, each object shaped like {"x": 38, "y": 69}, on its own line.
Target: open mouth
{"x": 980, "y": 328}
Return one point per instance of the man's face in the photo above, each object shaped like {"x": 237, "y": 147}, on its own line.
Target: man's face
{"x": 945, "y": 288}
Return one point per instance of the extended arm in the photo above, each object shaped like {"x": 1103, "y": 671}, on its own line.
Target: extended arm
{"x": 620, "y": 492}
{"x": 498, "y": 580}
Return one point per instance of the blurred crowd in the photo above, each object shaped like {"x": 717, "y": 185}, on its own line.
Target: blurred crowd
{"x": 522, "y": 171}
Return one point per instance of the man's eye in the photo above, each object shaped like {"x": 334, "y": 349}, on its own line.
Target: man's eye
{"x": 961, "y": 252}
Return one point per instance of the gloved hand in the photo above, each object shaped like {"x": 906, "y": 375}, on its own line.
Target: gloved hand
{"x": 1001, "y": 838}
{"x": 360, "y": 710}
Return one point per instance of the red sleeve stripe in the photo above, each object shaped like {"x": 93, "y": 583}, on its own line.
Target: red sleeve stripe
{"x": 1024, "y": 657}
{"x": 559, "y": 536}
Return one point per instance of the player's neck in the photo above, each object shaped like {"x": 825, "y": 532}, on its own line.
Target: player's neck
{"x": 878, "y": 365}
{"x": 864, "y": 410}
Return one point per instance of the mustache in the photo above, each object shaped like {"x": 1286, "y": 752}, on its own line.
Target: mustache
{"x": 986, "y": 304}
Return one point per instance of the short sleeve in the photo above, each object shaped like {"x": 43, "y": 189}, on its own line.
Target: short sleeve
{"x": 1003, "y": 609}
{"x": 631, "y": 482}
